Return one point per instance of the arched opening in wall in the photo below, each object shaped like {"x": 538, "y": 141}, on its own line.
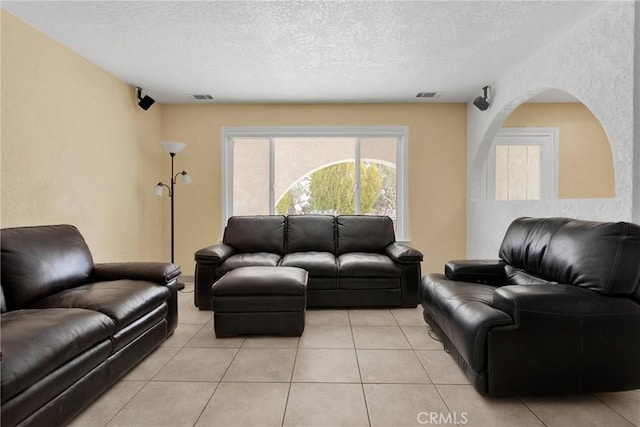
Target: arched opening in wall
{"x": 550, "y": 147}
{"x": 343, "y": 188}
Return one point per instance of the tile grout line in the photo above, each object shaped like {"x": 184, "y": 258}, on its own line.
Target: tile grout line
{"x": 446, "y": 405}
{"x": 182, "y": 348}
{"x": 123, "y": 406}
{"x": 221, "y": 376}
{"x": 147, "y": 382}
{"x": 218, "y": 385}
{"x": 208, "y": 401}
{"x": 424, "y": 368}
{"x": 355, "y": 350}
{"x": 613, "y": 409}
{"x": 532, "y": 411}
{"x": 286, "y": 402}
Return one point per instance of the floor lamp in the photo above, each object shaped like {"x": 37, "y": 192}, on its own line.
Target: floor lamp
{"x": 173, "y": 148}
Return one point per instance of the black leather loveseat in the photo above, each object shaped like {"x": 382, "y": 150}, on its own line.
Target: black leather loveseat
{"x": 558, "y": 313}
{"x": 71, "y": 328}
{"x": 352, "y": 260}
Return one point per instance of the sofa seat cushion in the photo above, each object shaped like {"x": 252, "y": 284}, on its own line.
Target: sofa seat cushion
{"x": 258, "y": 259}
{"x": 360, "y": 264}
{"x": 124, "y": 301}
{"x": 318, "y": 264}
{"x": 36, "y": 342}
{"x": 464, "y": 313}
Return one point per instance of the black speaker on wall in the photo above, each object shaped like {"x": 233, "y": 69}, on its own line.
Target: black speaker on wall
{"x": 144, "y": 101}
{"x": 482, "y": 102}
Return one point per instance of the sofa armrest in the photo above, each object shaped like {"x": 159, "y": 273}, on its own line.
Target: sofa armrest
{"x": 214, "y": 254}
{"x": 486, "y": 271}
{"x": 559, "y": 300}
{"x": 403, "y": 254}
{"x": 158, "y": 272}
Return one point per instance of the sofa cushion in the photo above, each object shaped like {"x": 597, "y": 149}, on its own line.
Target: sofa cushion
{"x": 247, "y": 260}
{"x": 525, "y": 243}
{"x": 124, "y": 301}
{"x": 41, "y": 261}
{"x": 361, "y": 264}
{"x": 518, "y": 276}
{"x": 464, "y": 313}
{"x": 601, "y": 256}
{"x": 36, "y": 342}
{"x": 260, "y": 233}
{"x": 318, "y": 264}
{"x": 262, "y": 281}
{"x": 363, "y": 233}
{"x": 311, "y": 233}
{"x": 3, "y": 303}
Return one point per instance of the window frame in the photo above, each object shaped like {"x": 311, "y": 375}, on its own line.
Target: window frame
{"x": 547, "y": 139}
{"x": 401, "y": 133}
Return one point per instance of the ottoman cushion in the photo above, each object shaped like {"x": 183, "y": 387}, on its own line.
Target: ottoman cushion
{"x": 262, "y": 281}
{"x": 260, "y": 300}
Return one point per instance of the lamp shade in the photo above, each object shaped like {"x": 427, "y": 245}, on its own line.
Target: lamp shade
{"x": 186, "y": 179}
{"x": 158, "y": 190}
{"x": 172, "y": 146}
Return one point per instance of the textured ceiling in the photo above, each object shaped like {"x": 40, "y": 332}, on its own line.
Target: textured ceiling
{"x": 305, "y": 51}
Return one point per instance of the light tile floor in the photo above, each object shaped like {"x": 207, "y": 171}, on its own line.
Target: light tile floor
{"x": 350, "y": 368}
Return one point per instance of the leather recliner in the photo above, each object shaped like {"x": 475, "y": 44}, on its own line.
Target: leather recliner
{"x": 72, "y": 328}
{"x": 352, "y": 260}
{"x": 559, "y": 312}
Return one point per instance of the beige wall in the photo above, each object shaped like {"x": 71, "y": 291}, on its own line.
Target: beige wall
{"x": 437, "y": 166}
{"x": 76, "y": 148}
{"x": 585, "y": 161}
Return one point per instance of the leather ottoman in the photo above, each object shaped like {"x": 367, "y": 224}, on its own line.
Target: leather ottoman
{"x": 260, "y": 300}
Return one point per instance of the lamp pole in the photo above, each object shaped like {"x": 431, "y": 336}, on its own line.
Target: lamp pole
{"x": 172, "y": 209}
{"x": 173, "y": 147}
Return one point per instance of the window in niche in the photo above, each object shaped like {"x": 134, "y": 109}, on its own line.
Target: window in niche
{"x": 522, "y": 164}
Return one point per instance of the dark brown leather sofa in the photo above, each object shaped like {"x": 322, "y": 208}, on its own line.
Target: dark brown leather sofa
{"x": 352, "y": 260}
{"x": 558, "y": 313}
{"x": 71, "y": 328}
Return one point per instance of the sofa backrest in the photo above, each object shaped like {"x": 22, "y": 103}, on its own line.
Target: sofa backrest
{"x": 526, "y": 240}
{"x": 601, "y": 256}
{"x": 309, "y": 233}
{"x": 3, "y": 302}
{"x": 41, "y": 261}
{"x": 256, "y": 233}
{"x": 363, "y": 233}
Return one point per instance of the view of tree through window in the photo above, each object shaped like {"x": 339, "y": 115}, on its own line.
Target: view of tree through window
{"x": 331, "y": 190}
{"x": 302, "y": 171}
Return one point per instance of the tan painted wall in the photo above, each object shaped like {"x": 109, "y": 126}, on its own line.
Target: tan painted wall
{"x": 76, "y": 148}
{"x": 585, "y": 161}
{"x": 437, "y": 166}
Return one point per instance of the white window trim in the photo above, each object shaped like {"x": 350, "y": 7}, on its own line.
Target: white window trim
{"x": 548, "y": 158}
{"x": 402, "y": 160}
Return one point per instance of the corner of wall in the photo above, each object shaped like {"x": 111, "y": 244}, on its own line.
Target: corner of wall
{"x": 151, "y": 216}
{"x": 636, "y": 119}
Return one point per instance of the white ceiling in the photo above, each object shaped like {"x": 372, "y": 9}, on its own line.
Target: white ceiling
{"x": 305, "y": 51}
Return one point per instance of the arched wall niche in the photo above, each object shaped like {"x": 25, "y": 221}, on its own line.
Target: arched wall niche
{"x": 585, "y": 161}
{"x": 594, "y": 62}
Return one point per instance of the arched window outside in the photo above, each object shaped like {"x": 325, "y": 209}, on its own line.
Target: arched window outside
{"x": 331, "y": 190}
{"x": 328, "y": 170}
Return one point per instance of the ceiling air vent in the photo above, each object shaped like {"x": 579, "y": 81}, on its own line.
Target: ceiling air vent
{"x": 426, "y": 94}
{"x": 201, "y": 97}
